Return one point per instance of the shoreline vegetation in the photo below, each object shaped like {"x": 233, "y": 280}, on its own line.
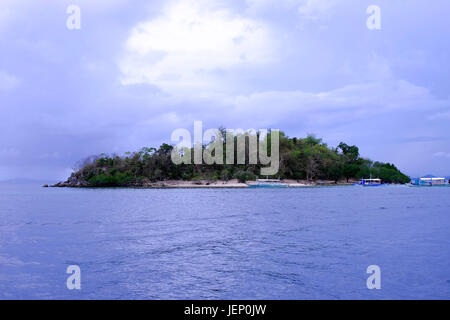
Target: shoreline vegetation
{"x": 303, "y": 162}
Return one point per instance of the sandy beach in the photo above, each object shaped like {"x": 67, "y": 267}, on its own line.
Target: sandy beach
{"x": 234, "y": 183}
{"x": 201, "y": 184}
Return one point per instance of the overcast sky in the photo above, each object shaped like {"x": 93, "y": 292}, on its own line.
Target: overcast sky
{"x": 137, "y": 70}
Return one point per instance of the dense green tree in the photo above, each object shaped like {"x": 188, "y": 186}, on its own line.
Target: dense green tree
{"x": 308, "y": 158}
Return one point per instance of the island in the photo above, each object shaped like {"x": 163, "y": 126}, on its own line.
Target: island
{"x": 303, "y": 162}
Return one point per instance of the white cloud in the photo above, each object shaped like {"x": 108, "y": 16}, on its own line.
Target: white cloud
{"x": 8, "y": 81}
{"x": 9, "y": 152}
{"x": 169, "y": 118}
{"x": 307, "y": 9}
{"x": 315, "y": 9}
{"x": 11, "y": 10}
{"x": 100, "y": 4}
{"x": 440, "y": 116}
{"x": 5, "y": 16}
{"x": 442, "y": 154}
{"x": 351, "y": 102}
{"x": 191, "y": 47}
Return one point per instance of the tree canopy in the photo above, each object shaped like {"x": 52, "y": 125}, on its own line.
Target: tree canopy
{"x": 300, "y": 158}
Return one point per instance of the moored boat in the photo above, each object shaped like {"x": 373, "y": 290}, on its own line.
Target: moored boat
{"x": 370, "y": 182}
{"x": 429, "y": 182}
{"x": 268, "y": 183}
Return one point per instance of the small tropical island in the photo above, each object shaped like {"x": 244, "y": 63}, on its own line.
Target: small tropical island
{"x": 303, "y": 162}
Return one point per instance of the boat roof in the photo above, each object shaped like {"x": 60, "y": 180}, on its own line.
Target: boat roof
{"x": 268, "y": 180}
{"x": 431, "y": 179}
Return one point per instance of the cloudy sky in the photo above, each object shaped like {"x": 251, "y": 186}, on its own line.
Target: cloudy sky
{"x": 137, "y": 70}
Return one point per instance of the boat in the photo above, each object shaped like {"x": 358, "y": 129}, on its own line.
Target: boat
{"x": 429, "y": 182}
{"x": 268, "y": 183}
{"x": 370, "y": 182}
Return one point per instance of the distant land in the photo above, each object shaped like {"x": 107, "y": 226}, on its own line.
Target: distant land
{"x": 305, "y": 160}
{"x": 22, "y": 181}
{"x": 434, "y": 176}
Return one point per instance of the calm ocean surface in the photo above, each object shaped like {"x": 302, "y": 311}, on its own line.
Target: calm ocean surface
{"x": 305, "y": 243}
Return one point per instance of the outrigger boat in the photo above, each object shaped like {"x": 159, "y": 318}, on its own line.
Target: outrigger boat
{"x": 268, "y": 183}
{"x": 370, "y": 182}
{"x": 429, "y": 182}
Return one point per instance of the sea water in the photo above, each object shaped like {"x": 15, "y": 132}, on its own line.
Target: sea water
{"x": 286, "y": 243}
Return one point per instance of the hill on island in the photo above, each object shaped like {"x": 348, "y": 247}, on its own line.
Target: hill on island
{"x": 300, "y": 159}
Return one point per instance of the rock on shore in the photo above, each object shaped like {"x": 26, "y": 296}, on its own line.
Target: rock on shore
{"x": 72, "y": 182}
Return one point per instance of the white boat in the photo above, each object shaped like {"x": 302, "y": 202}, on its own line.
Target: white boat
{"x": 268, "y": 183}
{"x": 428, "y": 182}
{"x": 370, "y": 182}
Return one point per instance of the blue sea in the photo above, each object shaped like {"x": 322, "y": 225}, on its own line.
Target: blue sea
{"x": 303, "y": 243}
